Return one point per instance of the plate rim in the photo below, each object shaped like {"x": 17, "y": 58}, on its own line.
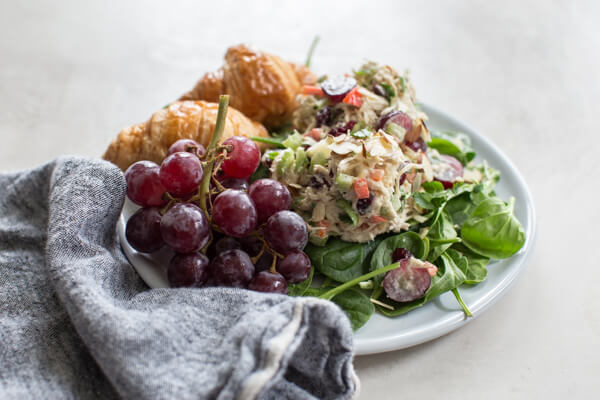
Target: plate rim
{"x": 453, "y": 320}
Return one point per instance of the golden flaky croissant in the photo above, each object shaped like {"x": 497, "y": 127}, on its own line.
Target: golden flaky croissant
{"x": 262, "y": 86}
{"x": 183, "y": 119}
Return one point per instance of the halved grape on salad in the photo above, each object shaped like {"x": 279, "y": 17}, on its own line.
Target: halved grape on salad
{"x": 395, "y": 214}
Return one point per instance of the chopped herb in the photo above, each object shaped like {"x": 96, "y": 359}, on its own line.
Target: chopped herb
{"x": 361, "y": 134}
{"x": 389, "y": 90}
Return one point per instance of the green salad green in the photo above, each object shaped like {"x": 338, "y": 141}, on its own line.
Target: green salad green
{"x": 465, "y": 227}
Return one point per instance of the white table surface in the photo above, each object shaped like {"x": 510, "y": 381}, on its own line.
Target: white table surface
{"x": 527, "y": 74}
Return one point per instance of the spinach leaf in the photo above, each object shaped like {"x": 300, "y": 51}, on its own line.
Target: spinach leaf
{"x": 475, "y": 270}
{"x": 492, "y": 230}
{"x": 459, "y": 208}
{"x": 356, "y": 305}
{"x": 299, "y": 289}
{"x": 455, "y": 144}
{"x": 383, "y": 254}
{"x": 340, "y": 260}
{"x": 441, "y": 233}
{"x": 315, "y": 292}
{"x": 449, "y": 276}
{"x": 261, "y": 172}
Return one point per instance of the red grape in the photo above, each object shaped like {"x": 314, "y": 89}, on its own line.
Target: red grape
{"x": 448, "y": 175}
{"x": 286, "y": 231}
{"x": 232, "y": 268}
{"x": 187, "y": 145}
{"x": 408, "y": 282}
{"x": 143, "y": 184}
{"x": 235, "y": 183}
{"x": 185, "y": 228}
{"x": 253, "y": 245}
{"x": 268, "y": 282}
{"x": 234, "y": 213}
{"x": 226, "y": 243}
{"x": 143, "y": 230}
{"x": 337, "y": 87}
{"x": 295, "y": 267}
{"x": 269, "y": 197}
{"x": 188, "y": 270}
{"x": 244, "y": 158}
{"x": 181, "y": 173}
{"x": 264, "y": 262}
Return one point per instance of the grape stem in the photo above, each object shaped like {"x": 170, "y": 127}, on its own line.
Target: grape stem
{"x": 214, "y": 141}
{"x": 462, "y": 303}
{"x": 339, "y": 289}
{"x": 311, "y": 50}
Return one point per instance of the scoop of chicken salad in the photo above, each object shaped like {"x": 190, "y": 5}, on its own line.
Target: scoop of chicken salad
{"x": 357, "y": 154}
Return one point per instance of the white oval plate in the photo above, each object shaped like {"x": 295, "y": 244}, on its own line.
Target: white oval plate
{"x": 441, "y": 315}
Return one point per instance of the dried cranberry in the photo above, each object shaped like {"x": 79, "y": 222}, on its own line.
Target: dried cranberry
{"x": 417, "y": 145}
{"x": 400, "y": 254}
{"x": 323, "y": 117}
{"x": 363, "y": 204}
{"x": 342, "y": 128}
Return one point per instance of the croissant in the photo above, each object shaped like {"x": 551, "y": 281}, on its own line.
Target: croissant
{"x": 184, "y": 119}
{"x": 262, "y": 86}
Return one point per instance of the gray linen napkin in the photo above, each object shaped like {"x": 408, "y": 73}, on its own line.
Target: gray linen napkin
{"x": 76, "y": 321}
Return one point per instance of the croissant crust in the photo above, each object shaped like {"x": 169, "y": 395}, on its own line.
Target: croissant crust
{"x": 184, "y": 119}
{"x": 262, "y": 86}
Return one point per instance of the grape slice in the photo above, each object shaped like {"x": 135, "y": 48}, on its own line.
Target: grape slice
{"x": 286, "y": 231}
{"x": 185, "y": 228}
{"x": 188, "y": 270}
{"x": 234, "y": 213}
{"x": 232, "y": 268}
{"x": 268, "y": 282}
{"x": 337, "y": 87}
{"x": 295, "y": 266}
{"x": 269, "y": 197}
{"x": 181, "y": 173}
{"x": 143, "y": 230}
{"x": 408, "y": 282}
{"x": 143, "y": 184}
{"x": 397, "y": 117}
{"x": 453, "y": 169}
{"x": 243, "y": 159}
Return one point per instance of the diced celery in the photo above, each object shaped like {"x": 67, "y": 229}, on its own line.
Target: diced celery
{"x": 396, "y": 203}
{"x": 293, "y": 141}
{"x": 385, "y": 212}
{"x": 347, "y": 208}
{"x": 344, "y": 182}
{"x": 301, "y": 160}
{"x": 395, "y": 130}
{"x": 318, "y": 159}
{"x": 286, "y": 161}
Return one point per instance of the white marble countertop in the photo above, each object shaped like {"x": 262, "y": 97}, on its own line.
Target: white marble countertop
{"x": 526, "y": 74}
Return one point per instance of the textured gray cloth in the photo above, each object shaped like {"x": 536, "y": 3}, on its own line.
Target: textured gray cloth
{"x": 76, "y": 321}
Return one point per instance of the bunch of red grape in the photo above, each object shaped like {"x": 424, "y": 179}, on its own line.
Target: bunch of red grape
{"x": 251, "y": 237}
